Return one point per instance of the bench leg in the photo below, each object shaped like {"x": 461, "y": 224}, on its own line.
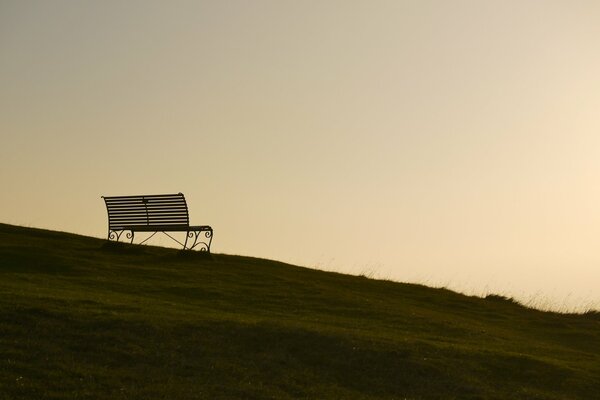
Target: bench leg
{"x": 114, "y": 235}
{"x": 204, "y": 242}
{"x": 187, "y": 236}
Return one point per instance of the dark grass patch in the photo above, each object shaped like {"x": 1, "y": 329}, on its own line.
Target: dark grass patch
{"x": 27, "y": 259}
{"x": 501, "y": 299}
{"x": 82, "y": 319}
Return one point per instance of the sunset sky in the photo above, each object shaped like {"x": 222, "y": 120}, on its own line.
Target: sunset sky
{"x": 452, "y": 143}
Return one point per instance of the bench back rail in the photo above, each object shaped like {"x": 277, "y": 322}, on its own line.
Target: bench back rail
{"x": 146, "y": 211}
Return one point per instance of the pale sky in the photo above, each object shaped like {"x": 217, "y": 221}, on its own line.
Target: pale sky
{"x": 451, "y": 143}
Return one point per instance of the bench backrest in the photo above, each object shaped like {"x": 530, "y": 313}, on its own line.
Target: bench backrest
{"x": 146, "y": 210}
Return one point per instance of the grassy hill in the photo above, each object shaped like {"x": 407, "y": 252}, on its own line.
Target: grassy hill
{"x": 80, "y": 319}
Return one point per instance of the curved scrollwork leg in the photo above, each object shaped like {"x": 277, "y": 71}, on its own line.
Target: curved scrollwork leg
{"x": 130, "y": 235}
{"x": 114, "y": 235}
{"x": 204, "y": 242}
{"x": 209, "y": 236}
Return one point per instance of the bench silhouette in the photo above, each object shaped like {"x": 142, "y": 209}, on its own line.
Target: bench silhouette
{"x": 154, "y": 213}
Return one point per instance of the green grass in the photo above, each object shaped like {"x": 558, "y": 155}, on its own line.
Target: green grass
{"x": 81, "y": 319}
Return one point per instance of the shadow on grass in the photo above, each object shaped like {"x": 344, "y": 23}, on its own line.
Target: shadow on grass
{"x": 194, "y": 255}
{"x": 32, "y": 260}
{"x": 122, "y": 248}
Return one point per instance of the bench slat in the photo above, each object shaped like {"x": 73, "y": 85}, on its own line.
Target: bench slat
{"x": 145, "y": 217}
{"x": 154, "y": 218}
{"x": 150, "y": 206}
{"x": 149, "y": 223}
{"x": 149, "y": 203}
{"x": 171, "y": 228}
{"x": 134, "y": 209}
{"x": 139, "y": 214}
{"x": 158, "y": 214}
{"x": 147, "y": 196}
{"x": 140, "y": 204}
{"x": 150, "y": 199}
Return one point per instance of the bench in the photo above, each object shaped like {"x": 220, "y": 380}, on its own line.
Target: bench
{"x": 154, "y": 213}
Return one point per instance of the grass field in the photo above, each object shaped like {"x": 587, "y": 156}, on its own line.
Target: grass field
{"x": 81, "y": 319}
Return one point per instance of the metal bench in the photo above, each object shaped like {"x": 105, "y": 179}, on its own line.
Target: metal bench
{"x": 154, "y": 213}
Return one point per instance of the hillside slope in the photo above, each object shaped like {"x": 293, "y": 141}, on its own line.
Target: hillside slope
{"x": 80, "y": 319}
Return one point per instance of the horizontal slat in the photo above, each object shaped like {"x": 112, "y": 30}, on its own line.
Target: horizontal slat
{"x": 129, "y": 211}
{"x": 125, "y": 220}
{"x": 135, "y": 201}
{"x": 134, "y": 209}
{"x": 169, "y": 215}
{"x": 158, "y": 228}
{"x": 149, "y": 228}
{"x": 140, "y": 204}
{"x": 156, "y": 202}
{"x": 144, "y": 206}
{"x": 166, "y": 216}
{"x": 150, "y": 211}
{"x": 162, "y": 212}
{"x": 166, "y": 206}
{"x": 134, "y": 205}
{"x": 148, "y": 198}
{"x": 138, "y": 196}
{"x": 141, "y": 199}
{"x": 181, "y": 220}
{"x": 150, "y": 214}
{"x": 138, "y": 217}
{"x": 126, "y": 214}
{"x": 144, "y": 220}
{"x": 156, "y": 217}
{"x": 149, "y": 205}
{"x": 201, "y": 228}
{"x": 156, "y": 212}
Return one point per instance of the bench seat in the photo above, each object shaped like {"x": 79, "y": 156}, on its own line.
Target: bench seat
{"x": 167, "y": 228}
